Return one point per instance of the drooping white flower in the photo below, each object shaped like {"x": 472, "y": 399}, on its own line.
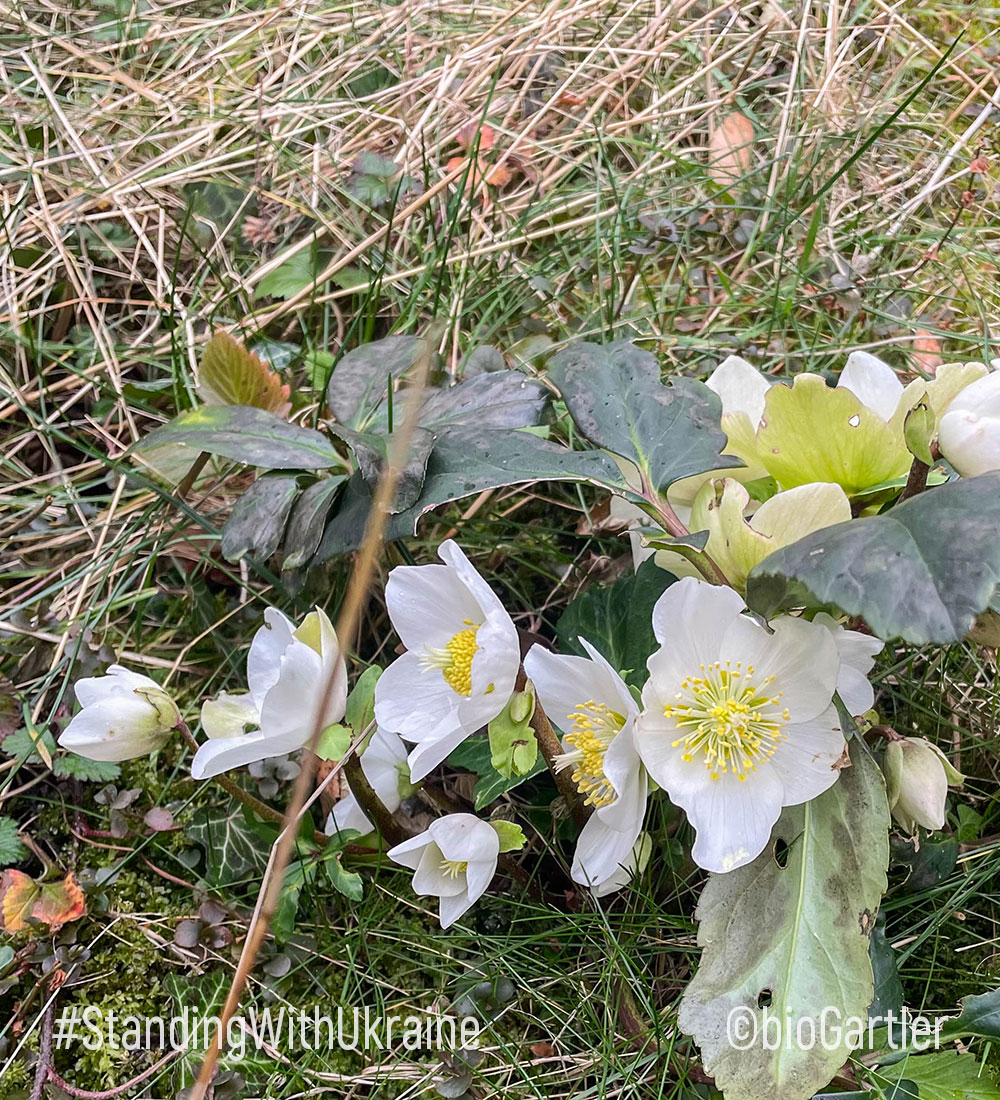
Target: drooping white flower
{"x": 737, "y": 722}
{"x": 288, "y": 668}
{"x": 454, "y": 860}
{"x": 461, "y": 662}
{"x": 969, "y": 432}
{"x": 592, "y": 706}
{"x": 917, "y": 776}
{"x": 857, "y": 654}
{"x": 384, "y": 765}
{"x": 125, "y": 714}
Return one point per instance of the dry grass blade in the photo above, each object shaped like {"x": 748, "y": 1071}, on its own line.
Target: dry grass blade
{"x": 347, "y": 625}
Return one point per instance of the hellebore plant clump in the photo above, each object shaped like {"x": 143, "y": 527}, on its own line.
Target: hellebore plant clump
{"x": 793, "y": 527}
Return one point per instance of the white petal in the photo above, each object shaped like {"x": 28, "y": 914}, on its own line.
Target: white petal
{"x": 741, "y": 387}
{"x": 692, "y": 617}
{"x": 435, "y": 746}
{"x": 804, "y": 762}
{"x": 430, "y": 879}
{"x": 451, "y": 553}
{"x": 228, "y": 715}
{"x": 873, "y": 382}
{"x": 381, "y": 762}
{"x": 800, "y": 655}
{"x": 411, "y": 699}
{"x": 222, "y": 754}
{"x": 981, "y": 397}
{"x": 857, "y": 656}
{"x": 428, "y": 605}
{"x": 408, "y": 853}
{"x": 601, "y": 851}
{"x": 450, "y": 909}
{"x": 734, "y": 820}
{"x": 634, "y": 863}
{"x": 333, "y": 664}
{"x": 117, "y": 681}
{"x": 465, "y": 837}
{"x": 970, "y": 441}
{"x": 347, "y": 815}
{"x": 264, "y": 658}
{"x": 292, "y": 703}
{"x": 494, "y": 670}
{"x": 564, "y": 682}
{"x": 624, "y": 770}
{"x": 120, "y": 727}
{"x": 479, "y": 875}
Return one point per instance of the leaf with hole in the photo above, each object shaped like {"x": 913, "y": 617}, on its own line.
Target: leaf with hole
{"x": 616, "y": 398}
{"x": 792, "y": 937}
{"x": 244, "y": 434}
{"x": 921, "y": 571}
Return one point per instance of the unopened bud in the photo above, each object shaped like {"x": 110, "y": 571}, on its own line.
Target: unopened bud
{"x": 918, "y": 775}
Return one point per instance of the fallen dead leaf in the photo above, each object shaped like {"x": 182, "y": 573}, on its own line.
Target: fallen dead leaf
{"x": 730, "y": 149}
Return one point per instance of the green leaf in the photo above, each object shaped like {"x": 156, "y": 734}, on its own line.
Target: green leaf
{"x": 921, "y": 571}
{"x": 475, "y": 755}
{"x": 235, "y": 847}
{"x": 930, "y": 862}
{"x": 980, "y": 1016}
{"x": 11, "y": 848}
{"x": 466, "y": 462}
{"x": 308, "y": 520}
{"x": 372, "y": 450}
{"x": 944, "y": 1075}
{"x": 503, "y": 399}
{"x": 795, "y": 936}
{"x": 361, "y": 380}
{"x": 293, "y": 276}
{"x": 888, "y": 995}
{"x": 513, "y": 745}
{"x": 512, "y": 838}
{"x": 348, "y": 883}
{"x": 297, "y": 875}
{"x": 246, "y": 435}
{"x": 615, "y": 396}
{"x": 360, "y": 711}
{"x": 258, "y": 519}
{"x": 616, "y": 619}
{"x": 334, "y": 742}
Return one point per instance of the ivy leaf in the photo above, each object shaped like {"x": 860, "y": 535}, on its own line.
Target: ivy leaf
{"x": 361, "y": 380}
{"x": 943, "y": 1075}
{"x": 615, "y": 396}
{"x": 793, "y": 935}
{"x": 617, "y": 619}
{"x": 230, "y": 374}
{"x": 258, "y": 519}
{"x": 11, "y": 848}
{"x": 922, "y": 571}
{"x": 235, "y": 847}
{"x": 244, "y": 434}
{"x": 308, "y": 520}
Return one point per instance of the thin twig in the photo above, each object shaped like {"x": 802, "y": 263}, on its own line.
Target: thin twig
{"x": 105, "y": 1094}
{"x": 44, "y": 1064}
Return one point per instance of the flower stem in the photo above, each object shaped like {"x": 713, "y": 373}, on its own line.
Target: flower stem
{"x": 550, "y": 748}
{"x": 374, "y": 809}
{"x": 917, "y": 481}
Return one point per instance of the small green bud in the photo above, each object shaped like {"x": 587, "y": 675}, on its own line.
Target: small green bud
{"x": 918, "y": 430}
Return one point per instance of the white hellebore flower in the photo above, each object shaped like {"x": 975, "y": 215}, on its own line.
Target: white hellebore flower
{"x": 737, "y": 722}
{"x": 454, "y": 860}
{"x": 384, "y": 765}
{"x": 595, "y": 710}
{"x": 857, "y": 653}
{"x": 124, "y": 715}
{"x": 462, "y": 660}
{"x": 288, "y": 668}
{"x": 969, "y": 432}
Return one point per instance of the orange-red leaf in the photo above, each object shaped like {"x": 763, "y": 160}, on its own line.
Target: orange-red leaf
{"x": 499, "y": 175}
{"x": 24, "y": 902}
{"x": 230, "y": 374}
{"x": 18, "y": 893}
{"x": 466, "y": 137}
{"x": 729, "y": 149}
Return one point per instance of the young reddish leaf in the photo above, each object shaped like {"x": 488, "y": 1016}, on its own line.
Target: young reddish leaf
{"x": 729, "y": 149}
{"x": 59, "y": 903}
{"x": 18, "y": 893}
{"x": 466, "y": 137}
{"x": 499, "y": 175}
{"x": 927, "y": 351}
{"x": 230, "y": 374}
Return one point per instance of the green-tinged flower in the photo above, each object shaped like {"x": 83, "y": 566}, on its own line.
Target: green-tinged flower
{"x": 736, "y": 544}
{"x": 917, "y": 776}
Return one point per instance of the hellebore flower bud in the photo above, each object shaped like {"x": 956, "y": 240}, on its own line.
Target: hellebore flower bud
{"x": 918, "y": 776}
{"x": 969, "y": 433}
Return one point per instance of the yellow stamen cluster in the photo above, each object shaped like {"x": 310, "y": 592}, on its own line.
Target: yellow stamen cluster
{"x": 455, "y": 659}
{"x": 453, "y": 868}
{"x": 729, "y": 718}
{"x": 594, "y": 727}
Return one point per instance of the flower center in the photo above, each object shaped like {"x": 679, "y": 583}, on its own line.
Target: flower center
{"x": 453, "y": 868}
{"x": 455, "y": 659}
{"x": 595, "y": 726}
{"x": 728, "y": 718}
